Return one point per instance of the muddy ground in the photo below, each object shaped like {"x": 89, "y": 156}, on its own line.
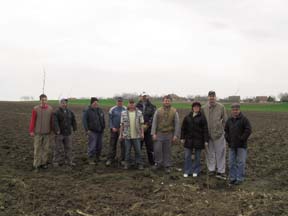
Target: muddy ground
{"x": 96, "y": 190}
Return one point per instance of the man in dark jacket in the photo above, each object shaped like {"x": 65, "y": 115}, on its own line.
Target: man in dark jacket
{"x": 148, "y": 110}
{"x": 64, "y": 122}
{"x": 94, "y": 124}
{"x": 237, "y": 132}
{"x": 194, "y": 135}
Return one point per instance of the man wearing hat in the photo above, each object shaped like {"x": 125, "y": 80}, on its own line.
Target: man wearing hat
{"x": 64, "y": 122}
{"x": 194, "y": 136}
{"x": 94, "y": 124}
{"x": 237, "y": 132}
{"x": 148, "y": 110}
{"x": 114, "y": 124}
{"x": 216, "y": 116}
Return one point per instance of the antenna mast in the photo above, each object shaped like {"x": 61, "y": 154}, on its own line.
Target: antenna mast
{"x": 44, "y": 78}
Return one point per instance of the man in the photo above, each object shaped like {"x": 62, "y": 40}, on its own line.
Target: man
{"x": 148, "y": 110}
{"x": 237, "y": 132}
{"x": 114, "y": 124}
{"x": 40, "y": 128}
{"x": 165, "y": 128}
{"x": 132, "y": 132}
{"x": 64, "y": 121}
{"x": 94, "y": 125}
{"x": 216, "y": 153}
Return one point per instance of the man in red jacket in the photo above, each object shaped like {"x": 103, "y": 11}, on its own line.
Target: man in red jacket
{"x": 40, "y": 128}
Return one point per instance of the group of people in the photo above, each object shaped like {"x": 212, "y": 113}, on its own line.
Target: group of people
{"x": 140, "y": 123}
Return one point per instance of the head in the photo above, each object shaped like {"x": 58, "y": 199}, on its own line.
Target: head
{"x": 43, "y": 99}
{"x": 166, "y": 101}
{"x": 64, "y": 103}
{"x": 94, "y": 102}
{"x": 196, "y": 107}
{"x": 131, "y": 104}
{"x": 144, "y": 96}
{"x": 119, "y": 101}
{"x": 235, "y": 110}
{"x": 211, "y": 97}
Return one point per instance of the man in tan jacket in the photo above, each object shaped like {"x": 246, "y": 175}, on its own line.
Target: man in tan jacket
{"x": 216, "y": 152}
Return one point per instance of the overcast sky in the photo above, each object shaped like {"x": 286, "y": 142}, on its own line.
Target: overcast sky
{"x": 101, "y": 48}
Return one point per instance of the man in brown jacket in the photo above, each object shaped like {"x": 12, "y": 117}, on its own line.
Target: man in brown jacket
{"x": 40, "y": 128}
{"x": 216, "y": 153}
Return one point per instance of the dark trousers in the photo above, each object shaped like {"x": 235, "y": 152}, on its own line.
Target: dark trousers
{"x": 63, "y": 144}
{"x": 114, "y": 137}
{"x": 95, "y": 144}
{"x": 149, "y": 145}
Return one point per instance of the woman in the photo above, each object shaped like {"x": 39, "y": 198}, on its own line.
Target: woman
{"x": 194, "y": 135}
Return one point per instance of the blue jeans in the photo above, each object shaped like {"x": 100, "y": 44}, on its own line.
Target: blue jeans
{"x": 237, "y": 162}
{"x": 94, "y": 144}
{"x": 137, "y": 148}
{"x": 189, "y": 166}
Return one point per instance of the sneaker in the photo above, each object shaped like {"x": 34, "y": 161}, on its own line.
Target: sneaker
{"x": 238, "y": 182}
{"x": 45, "y": 166}
{"x": 195, "y": 175}
{"x": 108, "y": 163}
{"x": 185, "y": 175}
{"x": 221, "y": 176}
{"x": 232, "y": 182}
{"x": 167, "y": 170}
{"x": 155, "y": 167}
{"x": 211, "y": 173}
{"x": 125, "y": 166}
{"x": 140, "y": 167}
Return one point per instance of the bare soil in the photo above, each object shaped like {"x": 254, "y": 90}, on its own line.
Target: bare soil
{"x": 97, "y": 190}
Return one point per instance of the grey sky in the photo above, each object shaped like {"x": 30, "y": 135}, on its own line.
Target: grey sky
{"x": 101, "y": 48}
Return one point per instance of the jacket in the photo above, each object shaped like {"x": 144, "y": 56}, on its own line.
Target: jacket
{"x": 41, "y": 120}
{"x": 148, "y": 110}
{"x": 93, "y": 119}
{"x": 115, "y": 116}
{"x": 64, "y": 121}
{"x": 216, "y": 117}
{"x": 125, "y": 122}
{"x": 195, "y": 131}
{"x": 237, "y": 131}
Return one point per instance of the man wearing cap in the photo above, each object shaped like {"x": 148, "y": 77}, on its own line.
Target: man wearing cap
{"x": 165, "y": 130}
{"x": 237, "y": 132}
{"x": 64, "y": 122}
{"x": 40, "y": 129}
{"x": 132, "y": 132}
{"x": 148, "y": 110}
{"x": 216, "y": 116}
{"x": 194, "y": 136}
{"x": 94, "y": 124}
{"x": 114, "y": 124}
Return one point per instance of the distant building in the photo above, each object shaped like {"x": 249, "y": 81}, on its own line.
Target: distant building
{"x": 261, "y": 99}
{"x": 234, "y": 98}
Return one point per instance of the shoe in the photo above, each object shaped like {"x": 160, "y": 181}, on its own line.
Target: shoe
{"x": 91, "y": 161}
{"x": 195, "y": 175}
{"x": 237, "y": 182}
{"x": 155, "y": 167}
{"x": 125, "y": 167}
{"x": 36, "y": 169}
{"x": 108, "y": 163}
{"x": 211, "y": 173}
{"x": 55, "y": 164}
{"x": 140, "y": 167}
{"x": 45, "y": 166}
{"x": 221, "y": 176}
{"x": 167, "y": 170}
{"x": 185, "y": 175}
{"x": 72, "y": 164}
{"x": 232, "y": 182}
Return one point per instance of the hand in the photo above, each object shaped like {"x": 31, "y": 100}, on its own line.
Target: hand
{"x": 114, "y": 130}
{"x": 174, "y": 139}
{"x": 154, "y": 137}
{"x": 58, "y": 132}
{"x": 87, "y": 132}
{"x": 121, "y": 137}
{"x": 32, "y": 134}
{"x": 182, "y": 141}
{"x": 142, "y": 136}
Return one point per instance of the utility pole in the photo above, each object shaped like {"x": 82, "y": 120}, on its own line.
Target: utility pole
{"x": 44, "y": 78}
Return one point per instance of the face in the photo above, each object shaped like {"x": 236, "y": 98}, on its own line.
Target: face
{"x": 64, "y": 104}
{"x": 196, "y": 109}
{"x": 166, "y": 102}
{"x": 131, "y": 106}
{"x": 235, "y": 112}
{"x": 94, "y": 104}
{"x": 43, "y": 101}
{"x": 144, "y": 98}
{"x": 120, "y": 103}
{"x": 212, "y": 99}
